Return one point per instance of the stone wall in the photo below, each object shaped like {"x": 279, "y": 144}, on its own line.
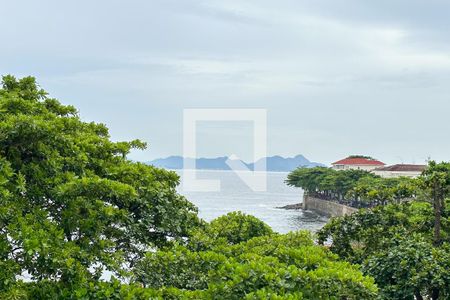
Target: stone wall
{"x": 325, "y": 207}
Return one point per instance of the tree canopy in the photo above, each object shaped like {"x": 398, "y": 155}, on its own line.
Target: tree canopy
{"x": 361, "y": 156}
{"x": 394, "y": 244}
{"x": 403, "y": 245}
{"x": 71, "y": 204}
{"x": 356, "y": 188}
{"x": 263, "y": 265}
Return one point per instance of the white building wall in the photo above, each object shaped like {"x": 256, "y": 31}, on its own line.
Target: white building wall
{"x": 355, "y": 167}
{"x": 394, "y": 174}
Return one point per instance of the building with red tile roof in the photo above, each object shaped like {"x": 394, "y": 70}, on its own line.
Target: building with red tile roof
{"x": 357, "y": 163}
{"x": 406, "y": 170}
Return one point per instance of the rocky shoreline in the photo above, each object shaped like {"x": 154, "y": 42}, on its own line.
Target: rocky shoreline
{"x": 292, "y": 206}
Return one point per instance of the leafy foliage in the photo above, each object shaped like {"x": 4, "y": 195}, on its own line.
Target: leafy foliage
{"x": 356, "y": 188}
{"x": 394, "y": 245}
{"x": 361, "y": 156}
{"x": 233, "y": 228}
{"x": 410, "y": 267}
{"x": 359, "y": 235}
{"x": 71, "y": 203}
{"x": 283, "y": 266}
{"x": 435, "y": 182}
{"x": 72, "y": 206}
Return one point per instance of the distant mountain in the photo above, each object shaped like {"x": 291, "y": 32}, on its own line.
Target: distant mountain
{"x": 273, "y": 163}
{"x": 281, "y": 164}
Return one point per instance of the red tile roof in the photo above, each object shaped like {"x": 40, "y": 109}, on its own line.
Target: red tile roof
{"x": 359, "y": 161}
{"x": 403, "y": 168}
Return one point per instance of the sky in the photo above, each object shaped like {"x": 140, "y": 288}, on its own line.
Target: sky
{"x": 335, "y": 77}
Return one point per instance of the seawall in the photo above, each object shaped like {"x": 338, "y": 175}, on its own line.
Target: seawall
{"x": 325, "y": 207}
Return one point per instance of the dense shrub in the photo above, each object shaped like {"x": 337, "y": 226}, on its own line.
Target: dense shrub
{"x": 394, "y": 244}
{"x": 287, "y": 265}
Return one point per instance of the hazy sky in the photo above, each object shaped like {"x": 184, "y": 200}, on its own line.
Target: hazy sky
{"x": 336, "y": 77}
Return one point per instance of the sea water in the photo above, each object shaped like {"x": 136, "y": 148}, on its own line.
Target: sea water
{"x": 235, "y": 195}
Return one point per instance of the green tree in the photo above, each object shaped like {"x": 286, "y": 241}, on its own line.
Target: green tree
{"x": 72, "y": 206}
{"x": 436, "y": 181}
{"x": 411, "y": 268}
{"x": 71, "y": 203}
{"x": 357, "y": 188}
{"x": 394, "y": 244}
{"x": 308, "y": 178}
{"x": 269, "y": 266}
{"x": 236, "y": 227}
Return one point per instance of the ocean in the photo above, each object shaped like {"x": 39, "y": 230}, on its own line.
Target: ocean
{"x": 235, "y": 195}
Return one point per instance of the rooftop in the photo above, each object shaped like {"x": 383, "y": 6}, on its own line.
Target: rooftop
{"x": 403, "y": 168}
{"x": 360, "y": 161}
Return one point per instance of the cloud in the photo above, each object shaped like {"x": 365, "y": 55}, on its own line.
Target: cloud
{"x": 327, "y": 71}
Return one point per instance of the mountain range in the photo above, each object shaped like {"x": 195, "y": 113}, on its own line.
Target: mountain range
{"x": 273, "y": 163}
